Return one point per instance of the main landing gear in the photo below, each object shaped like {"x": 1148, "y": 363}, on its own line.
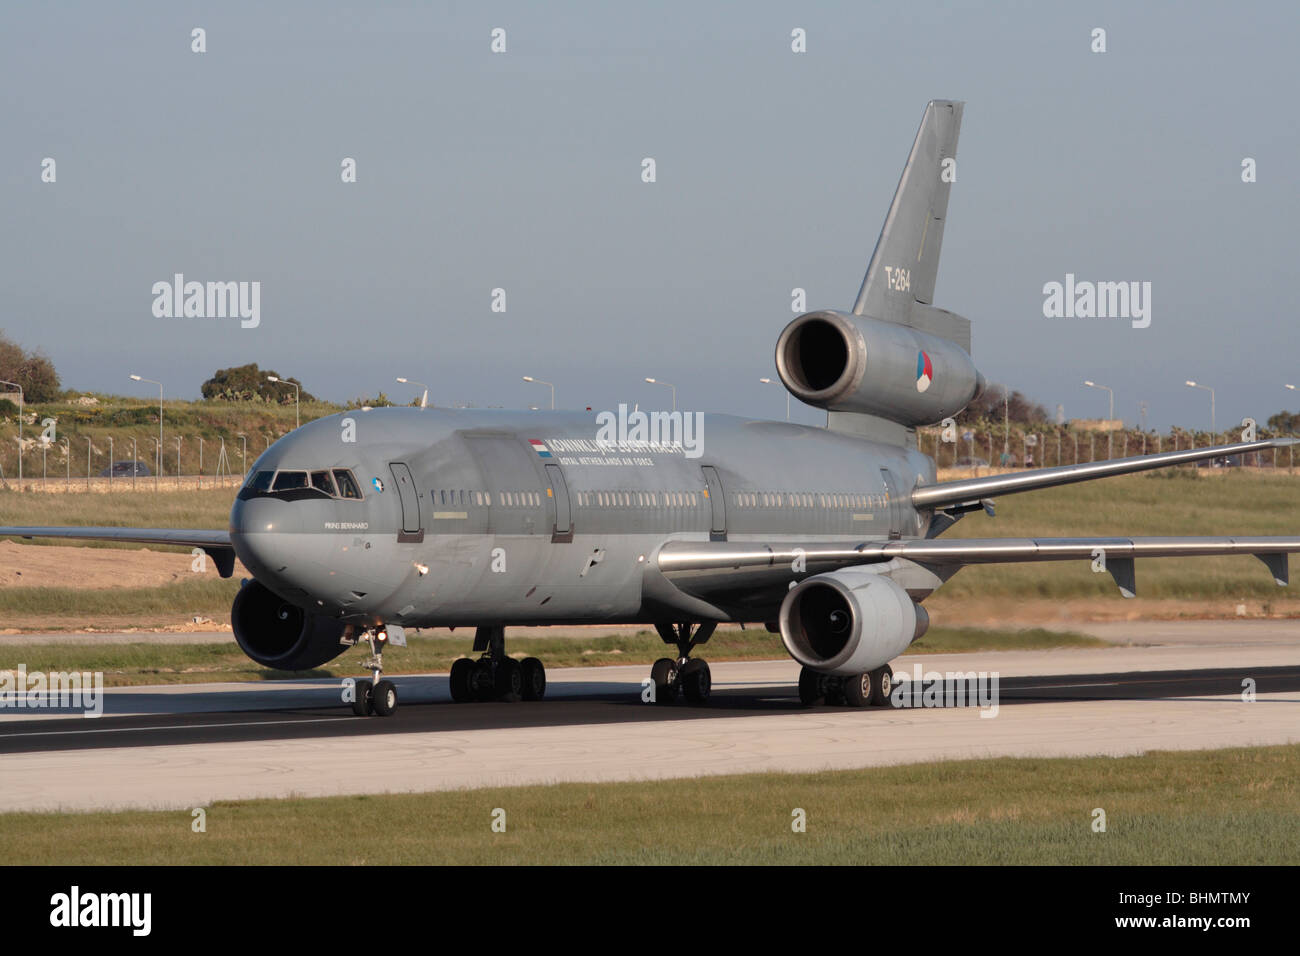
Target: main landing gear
{"x": 494, "y": 676}
{"x": 375, "y": 696}
{"x": 871, "y": 689}
{"x": 686, "y": 675}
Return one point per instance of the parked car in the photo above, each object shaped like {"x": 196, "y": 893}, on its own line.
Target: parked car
{"x": 124, "y": 469}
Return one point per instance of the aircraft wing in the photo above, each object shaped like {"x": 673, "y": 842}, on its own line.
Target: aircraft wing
{"x": 711, "y": 570}
{"x": 966, "y": 494}
{"x": 216, "y": 544}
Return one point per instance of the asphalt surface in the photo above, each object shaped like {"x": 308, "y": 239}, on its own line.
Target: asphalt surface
{"x": 149, "y": 717}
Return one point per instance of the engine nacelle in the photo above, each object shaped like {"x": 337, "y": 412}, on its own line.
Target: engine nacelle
{"x": 853, "y": 363}
{"x": 849, "y": 621}
{"x": 278, "y": 634}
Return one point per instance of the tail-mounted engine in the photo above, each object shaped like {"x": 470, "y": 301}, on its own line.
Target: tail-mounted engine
{"x": 853, "y": 363}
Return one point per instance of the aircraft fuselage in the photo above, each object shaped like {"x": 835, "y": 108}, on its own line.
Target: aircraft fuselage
{"x": 471, "y": 517}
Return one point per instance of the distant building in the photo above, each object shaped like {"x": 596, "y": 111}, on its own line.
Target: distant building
{"x": 1097, "y": 424}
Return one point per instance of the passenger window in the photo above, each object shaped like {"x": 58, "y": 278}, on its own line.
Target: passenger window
{"x": 347, "y": 485}
{"x": 290, "y": 480}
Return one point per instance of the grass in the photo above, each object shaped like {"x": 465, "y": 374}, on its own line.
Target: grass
{"x": 1235, "y": 806}
{"x": 208, "y": 596}
{"x": 156, "y": 663}
{"x": 208, "y": 509}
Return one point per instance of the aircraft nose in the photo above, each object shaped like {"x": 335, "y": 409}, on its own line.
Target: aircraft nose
{"x": 254, "y": 524}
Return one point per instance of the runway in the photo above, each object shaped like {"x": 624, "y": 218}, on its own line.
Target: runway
{"x": 186, "y": 746}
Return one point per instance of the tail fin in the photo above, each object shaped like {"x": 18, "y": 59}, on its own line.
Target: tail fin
{"x": 905, "y": 265}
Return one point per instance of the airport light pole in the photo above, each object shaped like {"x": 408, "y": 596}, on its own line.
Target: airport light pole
{"x": 1213, "y": 429}
{"x": 158, "y": 464}
{"x": 424, "y": 398}
{"x": 1107, "y": 388}
{"x": 673, "y": 387}
{"x": 1110, "y": 444}
{"x": 297, "y": 392}
{"x": 1006, "y": 424}
{"x": 1292, "y": 449}
{"x": 20, "y": 429}
{"x": 768, "y": 381}
{"x": 538, "y": 381}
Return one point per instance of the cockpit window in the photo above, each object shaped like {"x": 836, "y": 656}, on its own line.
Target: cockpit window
{"x": 260, "y": 481}
{"x": 322, "y": 481}
{"x": 290, "y": 480}
{"x": 297, "y": 485}
{"x": 348, "y": 487}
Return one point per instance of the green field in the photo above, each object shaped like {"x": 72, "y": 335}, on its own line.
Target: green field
{"x": 156, "y": 663}
{"x": 208, "y": 509}
{"x": 1236, "y": 806}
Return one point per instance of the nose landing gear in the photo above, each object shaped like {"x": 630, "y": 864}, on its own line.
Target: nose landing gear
{"x": 375, "y": 696}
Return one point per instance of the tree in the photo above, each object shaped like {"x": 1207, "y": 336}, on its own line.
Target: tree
{"x": 32, "y": 370}
{"x": 1284, "y": 423}
{"x": 988, "y": 407}
{"x": 381, "y": 401}
{"x": 248, "y": 383}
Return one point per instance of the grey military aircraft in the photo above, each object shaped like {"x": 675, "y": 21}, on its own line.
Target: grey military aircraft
{"x": 359, "y": 525}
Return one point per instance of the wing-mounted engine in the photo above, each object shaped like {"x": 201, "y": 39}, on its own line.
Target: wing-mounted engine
{"x": 275, "y": 633}
{"x": 854, "y": 363}
{"x": 849, "y": 621}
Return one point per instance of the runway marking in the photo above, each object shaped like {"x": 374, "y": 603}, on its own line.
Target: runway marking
{"x": 121, "y": 730}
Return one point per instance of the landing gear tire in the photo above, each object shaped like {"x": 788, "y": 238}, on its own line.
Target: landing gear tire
{"x": 882, "y": 685}
{"x": 534, "y": 678}
{"x": 696, "y": 681}
{"x": 384, "y": 698}
{"x": 664, "y": 675}
{"x": 812, "y": 687}
{"x": 482, "y": 682}
{"x": 859, "y": 689}
{"x": 361, "y": 703}
{"x": 461, "y": 680}
{"x": 834, "y": 690}
{"x": 509, "y": 680}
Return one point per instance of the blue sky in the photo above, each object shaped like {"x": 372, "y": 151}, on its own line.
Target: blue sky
{"x": 522, "y": 171}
